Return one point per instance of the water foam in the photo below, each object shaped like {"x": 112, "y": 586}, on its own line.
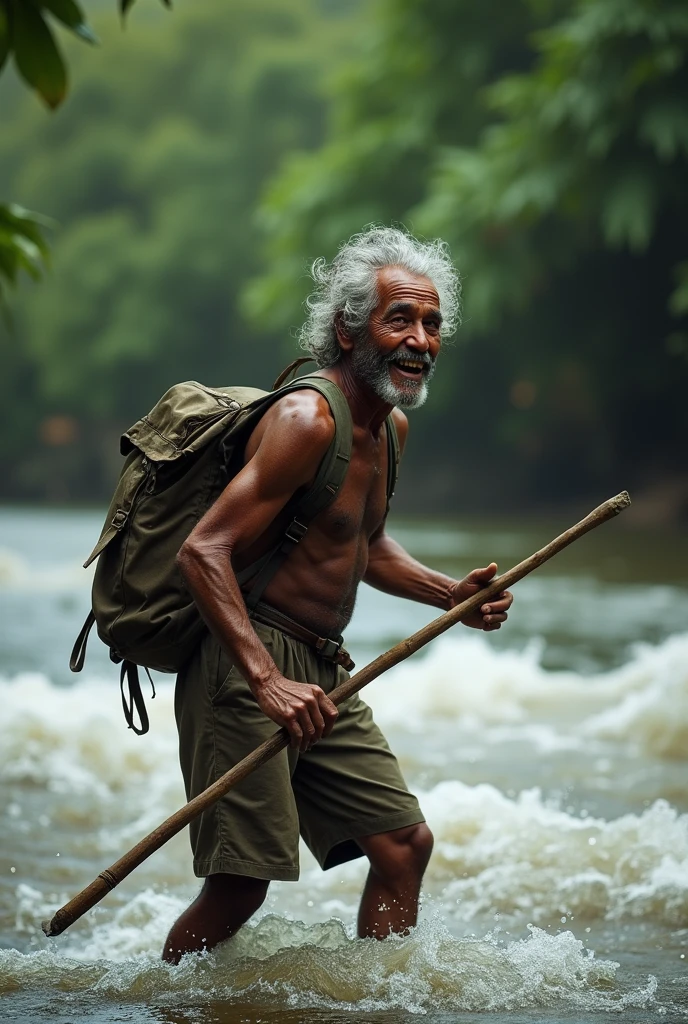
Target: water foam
{"x": 107, "y": 786}
{"x": 74, "y": 740}
{"x": 467, "y": 681}
{"x": 287, "y": 963}
{"x": 73, "y": 737}
{"x": 494, "y": 854}
{"x": 18, "y": 573}
{"x": 523, "y": 857}
{"x": 653, "y": 712}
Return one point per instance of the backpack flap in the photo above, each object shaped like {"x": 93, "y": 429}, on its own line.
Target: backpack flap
{"x": 186, "y": 419}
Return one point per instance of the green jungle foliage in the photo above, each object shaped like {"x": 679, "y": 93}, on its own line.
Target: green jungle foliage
{"x": 27, "y": 36}
{"x": 547, "y": 142}
{"x": 152, "y": 170}
{"x": 207, "y": 154}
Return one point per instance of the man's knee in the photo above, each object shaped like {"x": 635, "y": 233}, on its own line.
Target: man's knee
{"x": 401, "y": 854}
{"x": 422, "y": 843}
{"x": 418, "y": 846}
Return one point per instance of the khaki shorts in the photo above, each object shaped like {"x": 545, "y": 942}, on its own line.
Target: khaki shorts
{"x": 348, "y": 785}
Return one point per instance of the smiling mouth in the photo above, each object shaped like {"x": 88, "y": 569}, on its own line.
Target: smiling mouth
{"x": 409, "y": 369}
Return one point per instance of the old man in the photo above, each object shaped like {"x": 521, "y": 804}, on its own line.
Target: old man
{"x": 375, "y": 327}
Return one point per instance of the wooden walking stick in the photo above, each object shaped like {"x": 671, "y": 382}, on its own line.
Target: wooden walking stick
{"x": 113, "y": 875}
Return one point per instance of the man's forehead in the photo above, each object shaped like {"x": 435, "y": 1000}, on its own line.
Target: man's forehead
{"x": 395, "y": 284}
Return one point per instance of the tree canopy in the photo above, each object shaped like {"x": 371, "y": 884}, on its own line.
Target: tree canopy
{"x": 195, "y": 172}
{"x": 152, "y": 177}
{"x": 27, "y": 36}
{"x": 549, "y": 147}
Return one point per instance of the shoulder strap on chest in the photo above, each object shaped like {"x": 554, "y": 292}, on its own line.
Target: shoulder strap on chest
{"x": 329, "y": 478}
{"x": 393, "y": 455}
{"x": 335, "y": 464}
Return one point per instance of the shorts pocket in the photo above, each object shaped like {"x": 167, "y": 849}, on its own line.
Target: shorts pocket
{"x": 225, "y": 682}
{"x": 216, "y": 666}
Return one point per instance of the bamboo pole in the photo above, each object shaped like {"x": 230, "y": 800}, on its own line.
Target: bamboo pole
{"x": 118, "y": 871}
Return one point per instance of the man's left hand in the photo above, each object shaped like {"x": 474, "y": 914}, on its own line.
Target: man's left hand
{"x": 494, "y": 612}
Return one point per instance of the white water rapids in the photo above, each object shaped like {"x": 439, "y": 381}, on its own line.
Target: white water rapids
{"x": 550, "y": 762}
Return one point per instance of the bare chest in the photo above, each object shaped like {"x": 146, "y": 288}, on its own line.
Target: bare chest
{"x": 360, "y": 506}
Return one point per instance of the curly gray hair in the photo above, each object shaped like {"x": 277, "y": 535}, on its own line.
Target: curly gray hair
{"x": 348, "y": 286}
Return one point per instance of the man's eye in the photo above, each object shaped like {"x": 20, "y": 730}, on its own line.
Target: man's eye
{"x": 399, "y": 321}
{"x": 432, "y": 325}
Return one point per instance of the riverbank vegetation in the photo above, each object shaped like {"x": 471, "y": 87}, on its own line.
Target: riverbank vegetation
{"x": 206, "y": 154}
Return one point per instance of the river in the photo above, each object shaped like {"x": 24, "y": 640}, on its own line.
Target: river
{"x": 550, "y": 759}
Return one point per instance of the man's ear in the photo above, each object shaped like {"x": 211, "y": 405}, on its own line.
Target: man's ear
{"x": 345, "y": 342}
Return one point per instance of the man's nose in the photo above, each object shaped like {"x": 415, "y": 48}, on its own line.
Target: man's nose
{"x": 417, "y": 337}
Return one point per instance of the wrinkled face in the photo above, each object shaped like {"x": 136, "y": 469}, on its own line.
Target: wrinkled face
{"x": 397, "y": 359}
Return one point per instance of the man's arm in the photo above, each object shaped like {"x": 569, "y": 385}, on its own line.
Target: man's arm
{"x": 392, "y": 570}
{"x": 284, "y": 452}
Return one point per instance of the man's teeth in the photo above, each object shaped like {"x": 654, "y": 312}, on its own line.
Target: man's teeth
{"x": 409, "y": 364}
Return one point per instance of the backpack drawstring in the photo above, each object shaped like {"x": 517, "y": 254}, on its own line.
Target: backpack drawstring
{"x": 130, "y": 672}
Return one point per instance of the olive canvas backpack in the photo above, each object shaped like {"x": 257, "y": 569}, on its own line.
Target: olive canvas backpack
{"x": 179, "y": 458}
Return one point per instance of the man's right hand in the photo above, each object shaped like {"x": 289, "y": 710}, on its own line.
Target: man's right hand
{"x": 304, "y": 710}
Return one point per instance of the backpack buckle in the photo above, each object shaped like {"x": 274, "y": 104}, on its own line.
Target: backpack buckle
{"x": 296, "y": 531}
{"x": 119, "y": 519}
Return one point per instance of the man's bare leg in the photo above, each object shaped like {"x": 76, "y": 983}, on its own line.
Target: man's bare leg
{"x": 223, "y": 905}
{"x": 398, "y": 861}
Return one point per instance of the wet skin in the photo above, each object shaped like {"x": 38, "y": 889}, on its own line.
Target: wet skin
{"x": 345, "y": 544}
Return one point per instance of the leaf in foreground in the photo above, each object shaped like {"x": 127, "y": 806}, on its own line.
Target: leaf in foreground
{"x": 37, "y": 57}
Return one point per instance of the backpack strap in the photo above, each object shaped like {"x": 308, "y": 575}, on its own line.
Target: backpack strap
{"x": 393, "y": 456}
{"x": 76, "y": 661}
{"x": 334, "y": 466}
{"x": 328, "y": 480}
{"x": 292, "y": 368}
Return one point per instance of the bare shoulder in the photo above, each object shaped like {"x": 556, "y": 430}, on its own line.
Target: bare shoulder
{"x": 305, "y": 414}
{"x": 301, "y": 421}
{"x": 401, "y": 423}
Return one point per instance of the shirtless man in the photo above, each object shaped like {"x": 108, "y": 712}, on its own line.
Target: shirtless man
{"x": 375, "y": 328}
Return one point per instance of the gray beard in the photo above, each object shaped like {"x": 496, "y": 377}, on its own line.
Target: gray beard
{"x": 373, "y": 368}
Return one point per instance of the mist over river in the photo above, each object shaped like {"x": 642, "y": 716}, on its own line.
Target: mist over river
{"x": 550, "y": 758}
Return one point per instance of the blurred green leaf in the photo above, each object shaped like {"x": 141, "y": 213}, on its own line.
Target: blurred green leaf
{"x": 5, "y": 42}
{"x": 36, "y": 54}
{"x": 628, "y": 211}
{"x": 71, "y": 15}
{"x": 22, "y": 245}
{"x": 678, "y": 302}
{"x": 664, "y": 125}
{"x": 126, "y": 5}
